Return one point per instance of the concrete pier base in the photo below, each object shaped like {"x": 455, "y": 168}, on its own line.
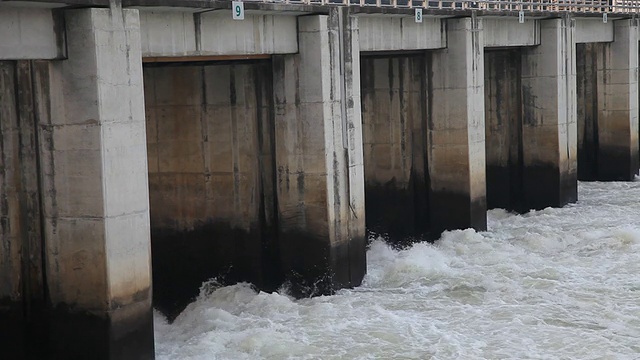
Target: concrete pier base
{"x": 319, "y": 163}
{"x": 608, "y": 106}
{"x": 456, "y": 154}
{"x": 96, "y": 200}
{"x": 549, "y": 129}
{"x": 394, "y": 108}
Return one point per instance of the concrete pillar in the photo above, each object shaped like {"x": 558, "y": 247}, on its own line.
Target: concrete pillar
{"x": 394, "y": 108}
{"x": 617, "y": 77}
{"x": 95, "y": 192}
{"x": 318, "y": 138}
{"x": 549, "y": 117}
{"x": 503, "y": 119}
{"x": 456, "y": 154}
{"x": 210, "y": 153}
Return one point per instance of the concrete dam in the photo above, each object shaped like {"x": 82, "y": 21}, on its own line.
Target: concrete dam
{"x": 147, "y": 146}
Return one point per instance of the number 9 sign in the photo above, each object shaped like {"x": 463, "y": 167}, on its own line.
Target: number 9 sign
{"x": 237, "y": 8}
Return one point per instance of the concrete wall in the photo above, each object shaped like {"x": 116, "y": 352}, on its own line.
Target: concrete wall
{"x": 209, "y": 130}
{"x": 31, "y": 33}
{"x": 503, "y": 129}
{"x": 507, "y": 31}
{"x": 587, "y": 104}
{"x": 168, "y": 33}
{"x": 401, "y": 33}
{"x": 394, "y": 108}
{"x": 21, "y": 267}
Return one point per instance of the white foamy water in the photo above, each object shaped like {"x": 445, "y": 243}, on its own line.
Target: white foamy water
{"x": 551, "y": 284}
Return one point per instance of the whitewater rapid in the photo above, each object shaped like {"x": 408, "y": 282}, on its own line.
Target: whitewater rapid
{"x": 550, "y": 284}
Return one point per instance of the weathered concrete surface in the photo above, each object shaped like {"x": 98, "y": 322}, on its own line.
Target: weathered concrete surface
{"x": 609, "y": 106}
{"x": 21, "y": 277}
{"x": 456, "y": 129}
{"x": 587, "y": 103}
{"x": 394, "y": 108}
{"x": 618, "y": 104}
{"x": 31, "y": 33}
{"x": 320, "y": 178}
{"x": 507, "y": 31}
{"x": 503, "y": 119}
{"x": 385, "y": 33}
{"x": 210, "y": 153}
{"x": 95, "y": 197}
{"x": 167, "y": 33}
{"x": 592, "y": 30}
{"x": 549, "y": 117}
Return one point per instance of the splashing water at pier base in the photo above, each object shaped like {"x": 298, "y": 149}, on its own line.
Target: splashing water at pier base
{"x": 550, "y": 284}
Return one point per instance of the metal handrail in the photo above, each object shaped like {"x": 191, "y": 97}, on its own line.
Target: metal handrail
{"x": 574, "y": 6}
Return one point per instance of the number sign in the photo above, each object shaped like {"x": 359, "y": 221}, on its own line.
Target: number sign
{"x": 238, "y": 10}
{"x": 418, "y": 15}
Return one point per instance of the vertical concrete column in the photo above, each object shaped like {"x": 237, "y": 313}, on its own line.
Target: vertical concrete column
{"x": 456, "y": 129}
{"x": 618, "y": 104}
{"x": 96, "y": 200}
{"x": 549, "y": 117}
{"x": 319, "y": 163}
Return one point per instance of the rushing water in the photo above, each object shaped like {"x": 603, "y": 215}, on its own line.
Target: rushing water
{"x": 551, "y": 284}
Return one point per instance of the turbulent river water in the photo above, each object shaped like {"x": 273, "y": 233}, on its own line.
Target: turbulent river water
{"x": 550, "y": 284}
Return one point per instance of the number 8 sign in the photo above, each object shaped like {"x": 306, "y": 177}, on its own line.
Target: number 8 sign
{"x": 238, "y": 10}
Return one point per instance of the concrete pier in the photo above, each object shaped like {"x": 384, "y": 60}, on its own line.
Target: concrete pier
{"x": 549, "y": 110}
{"x": 608, "y": 106}
{"x": 456, "y": 154}
{"x": 319, "y": 161}
{"x": 75, "y": 200}
{"x": 95, "y": 201}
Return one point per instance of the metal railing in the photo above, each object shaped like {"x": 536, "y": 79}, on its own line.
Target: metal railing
{"x": 574, "y": 6}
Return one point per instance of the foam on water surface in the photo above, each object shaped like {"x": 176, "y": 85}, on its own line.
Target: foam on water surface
{"x": 550, "y": 284}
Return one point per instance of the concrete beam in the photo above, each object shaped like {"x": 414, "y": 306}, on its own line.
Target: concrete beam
{"x": 507, "y": 31}
{"x": 31, "y": 34}
{"x": 401, "y": 33}
{"x": 177, "y": 34}
{"x": 591, "y": 30}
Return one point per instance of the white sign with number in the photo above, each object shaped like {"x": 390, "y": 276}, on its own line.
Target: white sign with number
{"x": 521, "y": 17}
{"x": 604, "y": 18}
{"x": 238, "y": 10}
{"x": 418, "y": 15}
